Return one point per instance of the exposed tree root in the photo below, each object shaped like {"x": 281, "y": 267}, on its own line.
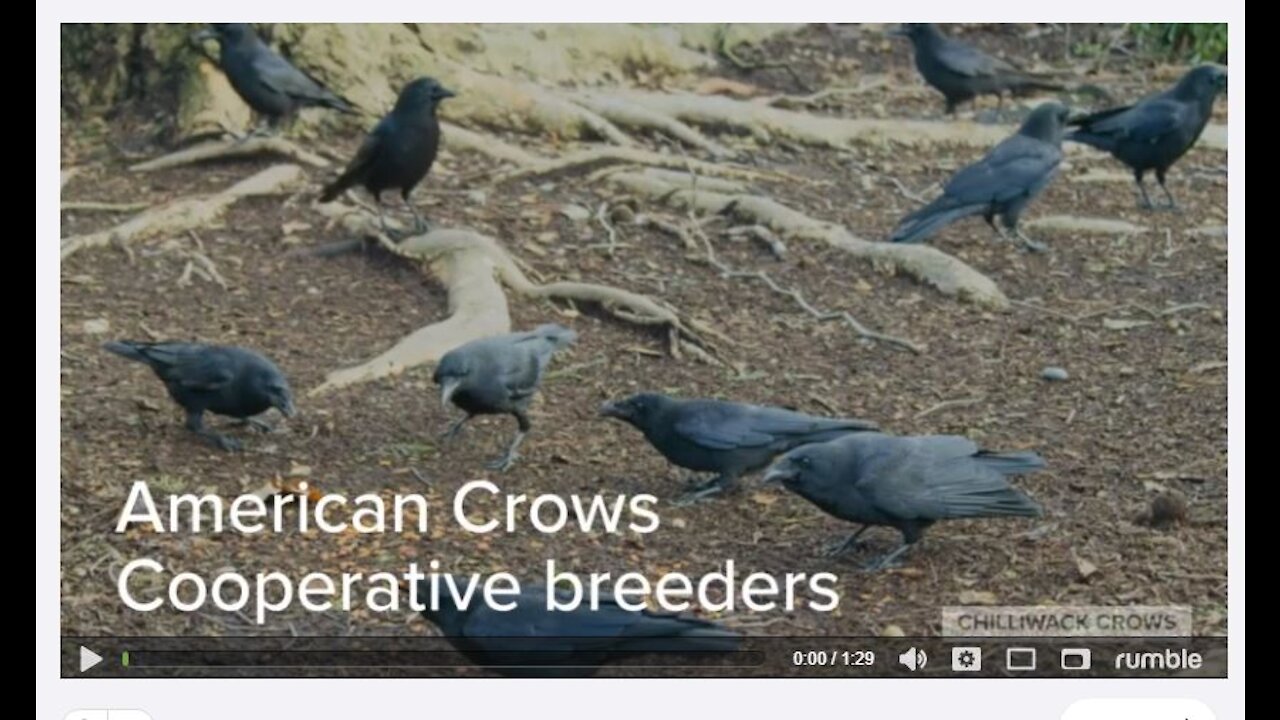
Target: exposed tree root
{"x": 686, "y": 236}
{"x": 184, "y": 214}
{"x": 1089, "y": 225}
{"x": 641, "y": 117}
{"x": 591, "y": 157}
{"x": 766, "y": 122}
{"x": 927, "y": 264}
{"x": 474, "y": 267}
{"x": 231, "y": 148}
{"x": 727, "y": 50}
{"x": 90, "y": 206}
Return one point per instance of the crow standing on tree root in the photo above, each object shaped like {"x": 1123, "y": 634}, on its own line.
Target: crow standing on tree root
{"x": 267, "y": 83}
{"x": 907, "y": 483}
{"x": 962, "y": 72}
{"x": 1000, "y": 184}
{"x": 531, "y": 641}
{"x": 399, "y": 150}
{"x": 221, "y": 379}
{"x": 498, "y": 376}
{"x": 726, "y": 438}
{"x": 1154, "y": 133}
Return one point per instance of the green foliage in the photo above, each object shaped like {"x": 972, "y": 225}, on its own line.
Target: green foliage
{"x": 1194, "y": 42}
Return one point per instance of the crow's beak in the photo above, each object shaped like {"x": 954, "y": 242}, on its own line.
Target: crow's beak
{"x": 613, "y": 410}
{"x": 447, "y": 389}
{"x": 288, "y": 409}
{"x": 444, "y": 92}
{"x": 777, "y": 474}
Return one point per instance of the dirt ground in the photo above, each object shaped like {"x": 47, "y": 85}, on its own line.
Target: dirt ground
{"x": 1138, "y": 322}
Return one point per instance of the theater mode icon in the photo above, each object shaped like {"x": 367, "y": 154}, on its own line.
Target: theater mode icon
{"x": 1020, "y": 659}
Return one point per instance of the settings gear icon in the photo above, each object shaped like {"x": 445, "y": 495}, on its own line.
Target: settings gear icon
{"x": 966, "y": 659}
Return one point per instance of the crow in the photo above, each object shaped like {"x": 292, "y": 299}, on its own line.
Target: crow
{"x": 499, "y": 376}
{"x": 1154, "y": 133}
{"x": 532, "y": 641}
{"x": 221, "y": 379}
{"x": 1000, "y": 184}
{"x": 268, "y": 83}
{"x": 907, "y": 483}
{"x": 399, "y": 150}
{"x": 962, "y": 72}
{"x": 726, "y": 438}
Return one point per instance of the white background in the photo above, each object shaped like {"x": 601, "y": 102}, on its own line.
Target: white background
{"x": 1022, "y": 699}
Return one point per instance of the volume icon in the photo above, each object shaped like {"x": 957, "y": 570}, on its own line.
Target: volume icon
{"x": 914, "y": 659}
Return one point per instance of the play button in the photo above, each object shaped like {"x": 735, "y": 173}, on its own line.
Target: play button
{"x": 88, "y": 658}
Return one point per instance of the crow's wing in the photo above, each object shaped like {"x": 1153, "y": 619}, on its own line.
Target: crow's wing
{"x": 1009, "y": 170}
{"x": 936, "y": 477}
{"x": 1145, "y": 122}
{"x": 279, "y": 75}
{"x": 963, "y": 59}
{"x": 366, "y": 157}
{"x": 205, "y": 371}
{"x": 724, "y": 426}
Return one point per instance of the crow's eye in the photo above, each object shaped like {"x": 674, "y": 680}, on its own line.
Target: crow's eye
{"x": 804, "y": 462}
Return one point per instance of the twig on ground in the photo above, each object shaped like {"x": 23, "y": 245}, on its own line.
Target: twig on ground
{"x": 947, "y": 405}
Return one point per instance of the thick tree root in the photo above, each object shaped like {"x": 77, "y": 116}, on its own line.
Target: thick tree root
{"x": 641, "y": 117}
{"x": 190, "y": 213}
{"x": 685, "y": 234}
{"x": 1086, "y": 225}
{"x": 766, "y": 122}
{"x": 474, "y": 267}
{"x": 231, "y": 148}
{"x": 927, "y": 264}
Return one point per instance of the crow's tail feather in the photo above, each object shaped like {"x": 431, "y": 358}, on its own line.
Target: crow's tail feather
{"x": 924, "y": 222}
{"x": 1012, "y": 463}
{"x": 1096, "y": 140}
{"x": 559, "y": 336}
{"x": 127, "y": 349}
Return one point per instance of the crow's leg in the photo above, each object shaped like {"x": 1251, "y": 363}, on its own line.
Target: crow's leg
{"x": 1001, "y": 235}
{"x": 1173, "y": 204}
{"x": 1144, "y": 200}
{"x": 382, "y": 215}
{"x": 842, "y": 546}
{"x": 195, "y": 423}
{"x": 706, "y": 489}
{"x": 889, "y": 560}
{"x": 508, "y": 458}
{"x": 419, "y": 224}
{"x": 256, "y": 424}
{"x": 455, "y": 427}
{"x": 1029, "y": 244}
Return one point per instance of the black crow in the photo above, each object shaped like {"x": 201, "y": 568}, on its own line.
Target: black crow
{"x": 962, "y": 72}
{"x": 532, "y": 641}
{"x": 907, "y": 483}
{"x": 1000, "y": 184}
{"x": 1154, "y": 133}
{"x": 221, "y": 379}
{"x": 399, "y": 150}
{"x": 268, "y": 83}
{"x": 499, "y": 376}
{"x": 726, "y": 438}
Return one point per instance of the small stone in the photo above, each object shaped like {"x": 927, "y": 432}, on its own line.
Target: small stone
{"x": 1054, "y": 374}
{"x": 576, "y": 213}
{"x": 97, "y": 326}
